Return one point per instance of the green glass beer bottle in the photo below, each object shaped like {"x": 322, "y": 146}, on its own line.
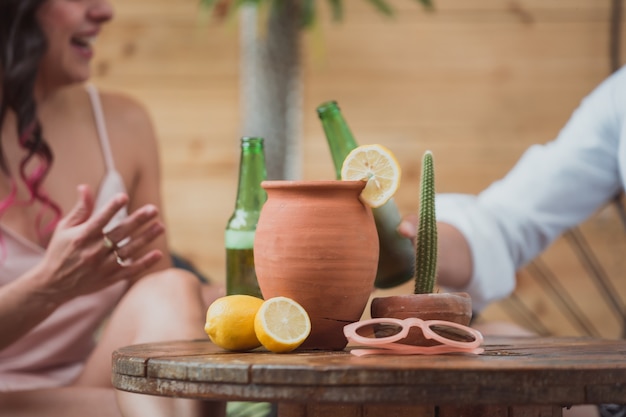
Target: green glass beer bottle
{"x": 396, "y": 262}
{"x": 241, "y": 227}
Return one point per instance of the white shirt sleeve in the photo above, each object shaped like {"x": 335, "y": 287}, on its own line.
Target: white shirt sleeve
{"x": 552, "y": 188}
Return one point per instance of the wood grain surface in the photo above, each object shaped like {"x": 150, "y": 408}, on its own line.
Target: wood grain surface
{"x": 538, "y": 375}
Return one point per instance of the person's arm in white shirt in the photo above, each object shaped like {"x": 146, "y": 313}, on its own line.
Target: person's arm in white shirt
{"x": 485, "y": 239}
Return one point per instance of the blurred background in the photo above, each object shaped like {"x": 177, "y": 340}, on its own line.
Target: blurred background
{"x": 476, "y": 82}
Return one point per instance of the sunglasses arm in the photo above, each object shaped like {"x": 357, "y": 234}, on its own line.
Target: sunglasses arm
{"x": 400, "y": 349}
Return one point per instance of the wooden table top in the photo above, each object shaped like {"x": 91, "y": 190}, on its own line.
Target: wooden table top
{"x": 561, "y": 371}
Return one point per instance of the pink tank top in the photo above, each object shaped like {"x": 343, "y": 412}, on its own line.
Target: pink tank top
{"x": 53, "y": 353}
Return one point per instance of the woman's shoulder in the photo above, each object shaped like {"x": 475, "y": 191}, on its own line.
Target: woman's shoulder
{"x": 130, "y": 133}
{"x": 127, "y": 119}
{"x": 122, "y": 108}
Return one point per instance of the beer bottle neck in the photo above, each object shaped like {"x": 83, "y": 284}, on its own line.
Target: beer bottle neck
{"x": 338, "y": 134}
{"x": 252, "y": 171}
{"x": 250, "y": 195}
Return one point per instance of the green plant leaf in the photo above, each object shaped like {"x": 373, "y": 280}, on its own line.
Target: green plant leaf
{"x": 336, "y": 7}
{"x": 208, "y": 5}
{"x": 428, "y": 4}
{"x": 308, "y": 13}
{"x": 242, "y": 2}
{"x": 382, "y": 6}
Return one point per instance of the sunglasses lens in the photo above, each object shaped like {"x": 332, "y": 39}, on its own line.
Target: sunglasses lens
{"x": 452, "y": 333}
{"x": 378, "y": 330}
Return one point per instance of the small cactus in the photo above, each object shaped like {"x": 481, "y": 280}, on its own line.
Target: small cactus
{"x": 426, "y": 245}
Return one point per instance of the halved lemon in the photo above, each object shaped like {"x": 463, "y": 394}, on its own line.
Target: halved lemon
{"x": 379, "y": 167}
{"x": 281, "y": 324}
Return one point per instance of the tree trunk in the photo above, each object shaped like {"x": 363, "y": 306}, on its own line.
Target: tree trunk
{"x": 271, "y": 87}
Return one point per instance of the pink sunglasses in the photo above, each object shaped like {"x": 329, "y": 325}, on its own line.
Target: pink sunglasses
{"x": 383, "y": 334}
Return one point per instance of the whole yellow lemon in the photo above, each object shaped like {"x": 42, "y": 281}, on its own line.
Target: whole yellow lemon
{"x": 230, "y": 322}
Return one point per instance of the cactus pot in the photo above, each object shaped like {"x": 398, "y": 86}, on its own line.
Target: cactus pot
{"x": 455, "y": 307}
{"x": 316, "y": 243}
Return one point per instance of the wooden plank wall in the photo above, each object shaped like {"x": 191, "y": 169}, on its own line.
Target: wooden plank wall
{"x": 476, "y": 82}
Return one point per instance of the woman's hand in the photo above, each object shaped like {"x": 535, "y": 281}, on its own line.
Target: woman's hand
{"x": 78, "y": 260}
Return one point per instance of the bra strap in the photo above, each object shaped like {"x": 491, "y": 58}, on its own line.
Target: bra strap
{"x": 103, "y": 135}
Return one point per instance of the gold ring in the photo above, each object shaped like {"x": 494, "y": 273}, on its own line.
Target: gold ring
{"x": 120, "y": 261}
{"x": 108, "y": 243}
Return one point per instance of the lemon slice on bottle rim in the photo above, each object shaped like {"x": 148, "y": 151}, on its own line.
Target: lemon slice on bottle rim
{"x": 377, "y": 165}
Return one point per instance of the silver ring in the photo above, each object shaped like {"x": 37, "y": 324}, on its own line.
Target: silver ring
{"x": 108, "y": 243}
{"x": 120, "y": 261}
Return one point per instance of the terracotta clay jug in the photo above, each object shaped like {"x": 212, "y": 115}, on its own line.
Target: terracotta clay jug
{"x": 316, "y": 243}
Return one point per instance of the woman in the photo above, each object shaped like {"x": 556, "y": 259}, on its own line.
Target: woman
{"x": 81, "y": 238}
